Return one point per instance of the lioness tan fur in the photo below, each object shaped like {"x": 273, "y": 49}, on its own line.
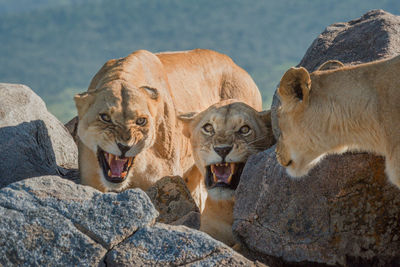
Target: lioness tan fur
{"x": 332, "y": 111}
{"x": 222, "y": 138}
{"x": 128, "y": 131}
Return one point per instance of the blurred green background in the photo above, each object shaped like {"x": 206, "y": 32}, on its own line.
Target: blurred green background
{"x": 56, "y": 47}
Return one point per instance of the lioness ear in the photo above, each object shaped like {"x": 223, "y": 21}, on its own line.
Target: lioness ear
{"x": 153, "y": 92}
{"x": 331, "y": 65}
{"x": 187, "y": 118}
{"x": 83, "y": 102}
{"x": 265, "y": 116}
{"x": 295, "y": 85}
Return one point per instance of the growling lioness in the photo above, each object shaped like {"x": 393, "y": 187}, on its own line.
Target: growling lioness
{"x": 331, "y": 111}
{"x": 222, "y": 138}
{"x": 128, "y": 131}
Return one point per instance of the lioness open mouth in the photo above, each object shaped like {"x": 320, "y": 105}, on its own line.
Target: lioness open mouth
{"x": 115, "y": 169}
{"x": 224, "y": 175}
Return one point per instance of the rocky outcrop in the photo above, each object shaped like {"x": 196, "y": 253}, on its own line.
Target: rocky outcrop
{"x": 32, "y": 141}
{"x": 345, "y": 212}
{"x": 50, "y": 221}
{"x": 374, "y": 36}
{"x": 173, "y": 201}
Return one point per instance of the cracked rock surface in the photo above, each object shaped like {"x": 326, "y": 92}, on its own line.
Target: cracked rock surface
{"x": 344, "y": 212}
{"x": 166, "y": 245}
{"x": 51, "y": 221}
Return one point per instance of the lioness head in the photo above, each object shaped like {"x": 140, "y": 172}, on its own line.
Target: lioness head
{"x": 222, "y": 138}
{"x": 303, "y": 140}
{"x": 116, "y": 122}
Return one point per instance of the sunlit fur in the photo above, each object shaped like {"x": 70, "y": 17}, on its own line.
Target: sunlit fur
{"x": 347, "y": 108}
{"x": 156, "y": 87}
{"x": 226, "y": 117}
{"x": 94, "y": 133}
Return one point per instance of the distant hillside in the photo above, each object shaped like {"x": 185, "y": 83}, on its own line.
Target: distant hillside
{"x": 56, "y": 47}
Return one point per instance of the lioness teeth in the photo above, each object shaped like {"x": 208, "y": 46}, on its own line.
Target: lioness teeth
{"x": 230, "y": 178}
{"x": 110, "y": 156}
{"x": 222, "y": 173}
{"x": 215, "y": 178}
{"x": 117, "y": 166}
{"x": 123, "y": 174}
{"x": 130, "y": 162}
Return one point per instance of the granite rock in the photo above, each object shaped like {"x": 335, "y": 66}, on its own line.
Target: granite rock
{"x": 50, "y": 220}
{"x": 165, "y": 245}
{"x": 173, "y": 201}
{"x": 343, "y": 213}
{"x": 32, "y": 141}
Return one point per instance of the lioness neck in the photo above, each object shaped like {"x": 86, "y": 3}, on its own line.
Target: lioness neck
{"x": 343, "y": 110}
{"x": 217, "y": 220}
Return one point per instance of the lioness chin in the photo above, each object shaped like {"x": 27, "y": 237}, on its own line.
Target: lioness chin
{"x": 128, "y": 132}
{"x": 332, "y": 111}
{"x": 222, "y": 138}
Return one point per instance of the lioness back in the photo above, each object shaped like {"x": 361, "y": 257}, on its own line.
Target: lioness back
{"x": 209, "y": 69}
{"x": 129, "y": 135}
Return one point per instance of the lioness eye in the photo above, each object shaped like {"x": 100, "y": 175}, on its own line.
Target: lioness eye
{"x": 105, "y": 117}
{"x": 141, "y": 121}
{"x": 244, "y": 130}
{"x": 208, "y": 128}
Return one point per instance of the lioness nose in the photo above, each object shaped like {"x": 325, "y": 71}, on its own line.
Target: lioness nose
{"x": 223, "y": 151}
{"x": 123, "y": 149}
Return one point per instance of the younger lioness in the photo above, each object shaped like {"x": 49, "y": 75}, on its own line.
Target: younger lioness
{"x": 331, "y": 111}
{"x": 223, "y": 137}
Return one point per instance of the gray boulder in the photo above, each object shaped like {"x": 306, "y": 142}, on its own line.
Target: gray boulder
{"x": 345, "y": 211}
{"x": 50, "y": 221}
{"x": 371, "y": 37}
{"x": 32, "y": 141}
{"x": 173, "y": 201}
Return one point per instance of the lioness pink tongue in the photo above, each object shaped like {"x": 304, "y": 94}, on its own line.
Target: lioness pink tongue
{"x": 222, "y": 173}
{"x": 117, "y": 166}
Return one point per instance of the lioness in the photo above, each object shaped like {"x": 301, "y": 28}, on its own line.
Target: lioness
{"x": 128, "y": 131}
{"x": 222, "y": 137}
{"x": 331, "y": 111}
